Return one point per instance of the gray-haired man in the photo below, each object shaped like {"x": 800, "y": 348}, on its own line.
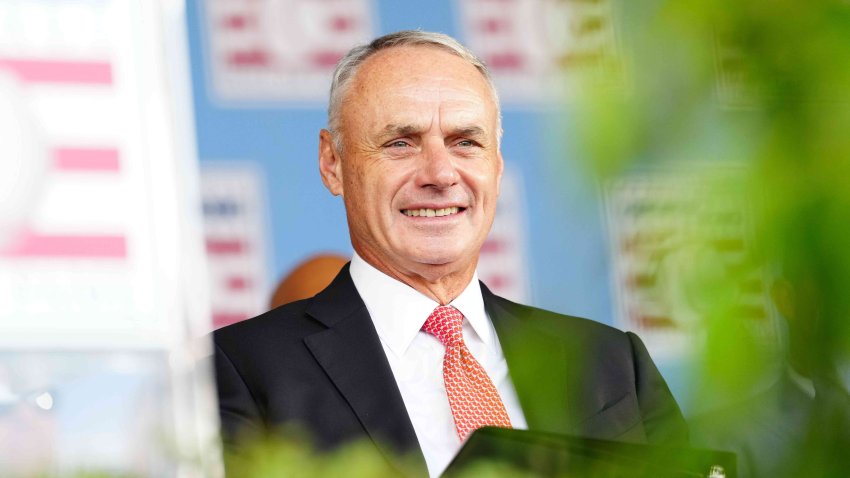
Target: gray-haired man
{"x": 406, "y": 346}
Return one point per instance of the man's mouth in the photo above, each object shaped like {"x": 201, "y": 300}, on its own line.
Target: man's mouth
{"x": 448, "y": 211}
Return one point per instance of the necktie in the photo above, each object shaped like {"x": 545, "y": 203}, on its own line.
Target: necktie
{"x": 473, "y": 398}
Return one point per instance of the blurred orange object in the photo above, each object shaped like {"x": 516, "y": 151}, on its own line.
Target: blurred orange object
{"x": 307, "y": 278}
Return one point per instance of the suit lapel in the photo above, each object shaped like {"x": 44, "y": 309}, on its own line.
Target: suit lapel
{"x": 543, "y": 366}
{"x": 351, "y": 353}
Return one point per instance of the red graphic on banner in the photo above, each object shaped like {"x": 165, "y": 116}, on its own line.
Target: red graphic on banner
{"x": 248, "y": 58}
{"x": 86, "y": 159}
{"x": 41, "y": 242}
{"x": 220, "y": 247}
{"x": 35, "y": 243}
{"x": 59, "y": 71}
{"x": 237, "y": 283}
{"x": 237, "y": 22}
{"x": 30, "y": 244}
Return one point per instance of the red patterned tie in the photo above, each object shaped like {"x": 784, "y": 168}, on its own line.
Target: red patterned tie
{"x": 474, "y": 400}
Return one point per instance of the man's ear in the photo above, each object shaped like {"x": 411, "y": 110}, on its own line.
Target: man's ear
{"x": 330, "y": 165}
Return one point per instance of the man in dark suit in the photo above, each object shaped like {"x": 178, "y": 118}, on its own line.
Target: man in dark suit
{"x": 406, "y": 347}
{"x": 799, "y": 425}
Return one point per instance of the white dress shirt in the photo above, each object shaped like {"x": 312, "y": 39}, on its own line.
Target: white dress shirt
{"x": 416, "y": 357}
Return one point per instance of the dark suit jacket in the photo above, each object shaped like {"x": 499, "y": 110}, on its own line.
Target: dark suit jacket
{"x": 319, "y": 363}
{"x": 782, "y": 431}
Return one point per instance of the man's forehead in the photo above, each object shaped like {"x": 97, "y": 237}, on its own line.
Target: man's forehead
{"x": 407, "y": 90}
{"x": 407, "y": 54}
{"x": 399, "y": 63}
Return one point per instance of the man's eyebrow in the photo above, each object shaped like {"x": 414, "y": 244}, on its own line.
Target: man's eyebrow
{"x": 469, "y": 132}
{"x": 400, "y": 130}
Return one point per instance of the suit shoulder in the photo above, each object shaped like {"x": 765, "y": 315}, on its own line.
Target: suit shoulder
{"x": 530, "y": 315}
{"x": 283, "y": 324}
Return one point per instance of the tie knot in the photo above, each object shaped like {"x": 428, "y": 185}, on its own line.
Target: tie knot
{"x": 445, "y": 323}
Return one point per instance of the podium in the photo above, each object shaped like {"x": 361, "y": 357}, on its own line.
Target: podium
{"x": 546, "y": 454}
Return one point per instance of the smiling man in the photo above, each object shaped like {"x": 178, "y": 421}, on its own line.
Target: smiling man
{"x": 415, "y": 154}
{"x": 406, "y": 347}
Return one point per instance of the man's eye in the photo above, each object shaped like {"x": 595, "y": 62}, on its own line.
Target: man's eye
{"x": 466, "y": 143}
{"x": 397, "y": 144}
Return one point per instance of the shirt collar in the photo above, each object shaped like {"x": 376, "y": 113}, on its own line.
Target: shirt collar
{"x": 399, "y": 311}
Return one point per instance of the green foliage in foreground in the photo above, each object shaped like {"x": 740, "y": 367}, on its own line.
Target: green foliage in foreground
{"x": 764, "y": 85}
{"x": 293, "y": 456}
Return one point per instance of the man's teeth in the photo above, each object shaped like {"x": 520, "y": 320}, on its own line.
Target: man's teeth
{"x": 431, "y": 212}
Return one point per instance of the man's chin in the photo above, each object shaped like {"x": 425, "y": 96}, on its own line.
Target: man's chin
{"x": 435, "y": 258}
{"x": 442, "y": 262}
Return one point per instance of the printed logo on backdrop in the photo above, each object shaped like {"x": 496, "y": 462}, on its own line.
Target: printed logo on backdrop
{"x": 279, "y": 50}
{"x": 666, "y": 227}
{"x": 503, "y": 264}
{"x": 235, "y": 226}
{"x": 539, "y": 50}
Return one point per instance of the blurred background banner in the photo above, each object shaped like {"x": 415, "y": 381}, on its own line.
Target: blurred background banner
{"x": 504, "y": 255}
{"x": 102, "y": 282}
{"x": 280, "y": 50}
{"x": 537, "y": 50}
{"x": 672, "y": 234}
{"x": 236, "y": 225}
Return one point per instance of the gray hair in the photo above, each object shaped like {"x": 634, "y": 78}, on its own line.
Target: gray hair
{"x": 350, "y": 63}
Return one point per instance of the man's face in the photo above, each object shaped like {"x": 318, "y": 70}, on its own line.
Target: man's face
{"x": 420, "y": 165}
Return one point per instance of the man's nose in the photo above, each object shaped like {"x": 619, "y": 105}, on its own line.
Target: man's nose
{"x": 438, "y": 168}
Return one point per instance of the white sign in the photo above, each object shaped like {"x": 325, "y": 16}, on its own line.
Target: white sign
{"x": 100, "y": 255}
{"x": 541, "y": 50}
{"x": 80, "y": 270}
{"x": 280, "y": 50}
{"x": 503, "y": 263}
{"x": 672, "y": 233}
{"x": 235, "y": 225}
